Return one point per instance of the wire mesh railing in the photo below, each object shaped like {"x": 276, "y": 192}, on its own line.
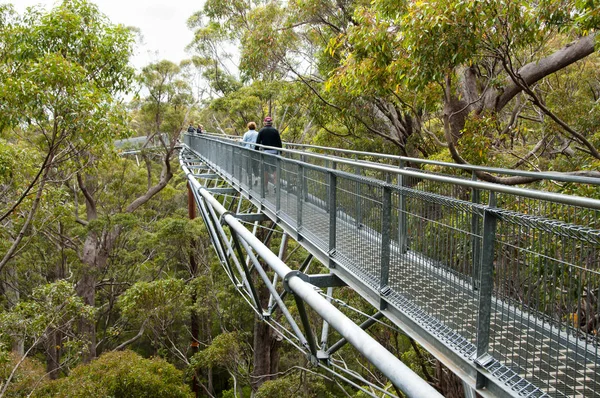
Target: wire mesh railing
{"x": 514, "y": 272}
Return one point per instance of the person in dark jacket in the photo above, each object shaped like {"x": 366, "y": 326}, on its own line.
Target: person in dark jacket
{"x": 191, "y": 128}
{"x": 269, "y": 136}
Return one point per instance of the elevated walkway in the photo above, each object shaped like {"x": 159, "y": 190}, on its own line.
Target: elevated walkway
{"x": 498, "y": 283}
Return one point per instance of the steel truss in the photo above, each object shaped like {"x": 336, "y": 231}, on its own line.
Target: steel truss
{"x": 241, "y": 253}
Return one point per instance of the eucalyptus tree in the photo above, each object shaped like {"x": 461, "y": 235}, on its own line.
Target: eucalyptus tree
{"x": 481, "y": 71}
{"x": 55, "y": 67}
{"x": 59, "y": 73}
{"x": 254, "y": 81}
{"x": 467, "y": 81}
{"x": 162, "y": 113}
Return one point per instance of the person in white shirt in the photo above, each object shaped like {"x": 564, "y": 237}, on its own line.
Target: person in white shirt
{"x": 248, "y": 141}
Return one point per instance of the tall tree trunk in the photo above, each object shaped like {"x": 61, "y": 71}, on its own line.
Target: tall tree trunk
{"x": 54, "y": 341}
{"x": 96, "y": 250}
{"x": 86, "y": 288}
{"x": 53, "y": 350}
{"x": 275, "y": 353}
{"x": 262, "y": 344}
{"x": 10, "y": 287}
{"x": 266, "y": 340}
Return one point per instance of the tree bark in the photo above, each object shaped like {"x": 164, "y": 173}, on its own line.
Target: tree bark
{"x": 537, "y": 70}
{"x": 98, "y": 246}
{"x": 262, "y": 345}
{"x": 53, "y": 350}
{"x": 10, "y": 288}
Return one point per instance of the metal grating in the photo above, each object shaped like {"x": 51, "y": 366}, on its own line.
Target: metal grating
{"x": 426, "y": 241}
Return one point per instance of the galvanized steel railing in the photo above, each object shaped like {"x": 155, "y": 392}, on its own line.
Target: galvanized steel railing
{"x": 507, "y": 277}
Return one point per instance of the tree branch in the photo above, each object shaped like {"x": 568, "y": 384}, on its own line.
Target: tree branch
{"x": 537, "y": 70}
{"x": 521, "y": 82}
{"x": 11, "y": 251}
{"x": 131, "y": 340}
{"x": 89, "y": 200}
{"x": 165, "y": 177}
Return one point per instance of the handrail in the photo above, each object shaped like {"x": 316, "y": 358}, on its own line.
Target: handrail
{"x": 551, "y": 176}
{"x": 499, "y": 188}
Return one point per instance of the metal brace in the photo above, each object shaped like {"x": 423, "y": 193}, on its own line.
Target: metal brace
{"x": 224, "y": 191}
{"x": 317, "y": 280}
{"x": 251, "y": 217}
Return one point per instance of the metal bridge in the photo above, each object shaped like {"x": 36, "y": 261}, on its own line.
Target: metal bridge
{"x": 499, "y": 283}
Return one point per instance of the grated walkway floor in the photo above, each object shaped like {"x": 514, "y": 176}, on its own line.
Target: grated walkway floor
{"x": 535, "y": 361}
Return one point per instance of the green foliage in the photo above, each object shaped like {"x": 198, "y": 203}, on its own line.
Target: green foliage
{"x": 297, "y": 384}
{"x": 161, "y": 303}
{"x": 52, "y": 306}
{"x": 26, "y": 378}
{"x": 62, "y": 65}
{"x": 225, "y": 351}
{"x": 120, "y": 374}
{"x": 165, "y": 108}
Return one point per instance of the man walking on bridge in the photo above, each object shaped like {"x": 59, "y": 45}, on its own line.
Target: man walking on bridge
{"x": 269, "y": 136}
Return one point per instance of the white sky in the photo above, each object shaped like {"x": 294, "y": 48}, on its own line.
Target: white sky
{"x": 162, "y": 23}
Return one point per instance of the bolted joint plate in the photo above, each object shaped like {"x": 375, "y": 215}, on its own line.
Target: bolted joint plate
{"x": 291, "y": 274}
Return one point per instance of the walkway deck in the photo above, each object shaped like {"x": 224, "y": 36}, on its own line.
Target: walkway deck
{"x": 532, "y": 354}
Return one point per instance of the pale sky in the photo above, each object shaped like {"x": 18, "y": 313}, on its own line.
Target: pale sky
{"x": 162, "y": 23}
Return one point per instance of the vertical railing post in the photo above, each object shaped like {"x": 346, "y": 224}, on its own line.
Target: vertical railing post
{"x": 249, "y": 169}
{"x": 239, "y": 162}
{"x": 262, "y": 175}
{"x": 277, "y": 184}
{"x": 402, "y": 224}
{"x": 299, "y": 197}
{"x": 332, "y": 205}
{"x": 304, "y": 182}
{"x": 328, "y": 190}
{"x": 475, "y": 234}
{"x": 232, "y": 163}
{"x": 357, "y": 198}
{"x": 486, "y": 285}
{"x": 386, "y": 227}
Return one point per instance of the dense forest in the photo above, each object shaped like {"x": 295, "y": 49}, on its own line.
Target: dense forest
{"x": 109, "y": 288}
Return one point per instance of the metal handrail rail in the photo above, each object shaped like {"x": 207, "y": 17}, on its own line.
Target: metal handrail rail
{"x": 499, "y": 188}
{"x": 541, "y": 175}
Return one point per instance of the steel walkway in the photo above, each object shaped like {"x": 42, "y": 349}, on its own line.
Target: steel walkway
{"x": 501, "y": 284}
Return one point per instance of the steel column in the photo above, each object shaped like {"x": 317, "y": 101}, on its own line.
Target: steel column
{"x": 299, "y": 198}
{"x": 486, "y": 280}
{"x": 475, "y": 237}
{"x": 281, "y": 250}
{"x": 332, "y": 217}
{"x": 386, "y": 218}
{"x": 402, "y": 222}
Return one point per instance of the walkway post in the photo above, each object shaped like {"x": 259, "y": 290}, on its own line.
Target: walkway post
{"x": 332, "y": 217}
{"x": 386, "y": 226}
{"x": 486, "y": 281}
{"x": 402, "y": 224}
{"x": 475, "y": 234}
